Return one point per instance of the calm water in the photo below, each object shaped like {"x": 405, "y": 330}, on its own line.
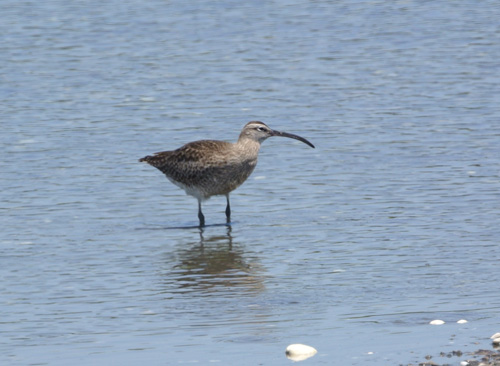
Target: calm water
{"x": 392, "y": 221}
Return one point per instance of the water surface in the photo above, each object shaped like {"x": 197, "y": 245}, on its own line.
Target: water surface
{"x": 353, "y": 247}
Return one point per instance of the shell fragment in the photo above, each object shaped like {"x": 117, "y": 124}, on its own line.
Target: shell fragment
{"x": 299, "y": 352}
{"x": 437, "y": 322}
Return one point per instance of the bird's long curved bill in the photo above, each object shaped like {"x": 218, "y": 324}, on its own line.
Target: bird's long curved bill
{"x": 292, "y": 136}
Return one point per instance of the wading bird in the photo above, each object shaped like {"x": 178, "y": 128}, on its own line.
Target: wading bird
{"x": 208, "y": 168}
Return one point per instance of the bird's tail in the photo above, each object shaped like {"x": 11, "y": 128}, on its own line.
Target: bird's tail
{"x": 157, "y": 160}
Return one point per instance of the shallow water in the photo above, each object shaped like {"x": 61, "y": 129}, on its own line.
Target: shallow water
{"x": 353, "y": 247}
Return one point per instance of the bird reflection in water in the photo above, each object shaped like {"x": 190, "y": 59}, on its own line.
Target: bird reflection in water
{"x": 215, "y": 264}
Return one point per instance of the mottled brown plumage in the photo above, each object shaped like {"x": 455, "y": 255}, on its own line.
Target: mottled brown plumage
{"x": 208, "y": 168}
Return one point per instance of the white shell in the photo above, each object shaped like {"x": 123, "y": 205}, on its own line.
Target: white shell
{"x": 496, "y": 340}
{"x": 437, "y": 322}
{"x": 464, "y": 363}
{"x": 462, "y": 321}
{"x": 299, "y": 352}
{"x": 496, "y": 335}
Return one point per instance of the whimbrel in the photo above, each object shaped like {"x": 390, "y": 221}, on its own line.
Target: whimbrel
{"x": 208, "y": 168}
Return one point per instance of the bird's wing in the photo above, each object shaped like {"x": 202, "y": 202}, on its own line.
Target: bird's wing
{"x": 190, "y": 161}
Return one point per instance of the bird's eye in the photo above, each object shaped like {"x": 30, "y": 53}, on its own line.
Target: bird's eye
{"x": 261, "y": 129}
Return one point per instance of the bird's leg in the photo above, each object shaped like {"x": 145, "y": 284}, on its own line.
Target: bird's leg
{"x": 200, "y": 214}
{"x": 228, "y": 210}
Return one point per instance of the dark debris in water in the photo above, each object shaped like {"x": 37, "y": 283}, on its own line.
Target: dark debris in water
{"x": 481, "y": 357}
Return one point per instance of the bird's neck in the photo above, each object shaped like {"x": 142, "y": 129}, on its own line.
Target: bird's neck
{"x": 248, "y": 146}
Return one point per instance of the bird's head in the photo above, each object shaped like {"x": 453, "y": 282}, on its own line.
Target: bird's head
{"x": 259, "y": 131}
